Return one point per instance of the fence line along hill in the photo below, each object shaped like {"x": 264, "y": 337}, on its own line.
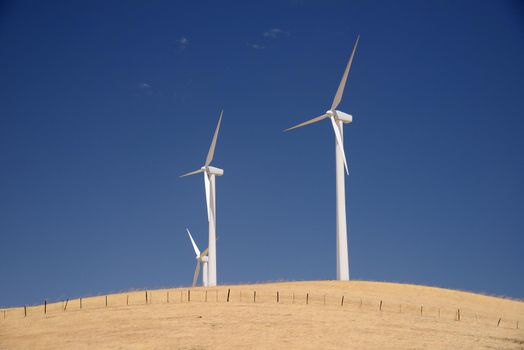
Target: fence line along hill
{"x": 305, "y": 315}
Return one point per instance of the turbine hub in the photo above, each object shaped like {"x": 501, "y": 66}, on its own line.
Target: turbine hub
{"x": 344, "y": 117}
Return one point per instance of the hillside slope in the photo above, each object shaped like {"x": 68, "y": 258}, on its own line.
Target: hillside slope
{"x": 308, "y": 315}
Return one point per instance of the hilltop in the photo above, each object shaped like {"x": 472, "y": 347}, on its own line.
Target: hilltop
{"x": 299, "y": 315}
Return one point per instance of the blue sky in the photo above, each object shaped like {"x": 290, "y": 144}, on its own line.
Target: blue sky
{"x": 104, "y": 104}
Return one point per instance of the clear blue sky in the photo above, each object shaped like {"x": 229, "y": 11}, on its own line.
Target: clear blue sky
{"x": 104, "y": 104}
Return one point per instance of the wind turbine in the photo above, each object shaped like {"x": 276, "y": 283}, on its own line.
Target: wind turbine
{"x": 338, "y": 119}
{"x": 209, "y": 182}
{"x": 201, "y": 258}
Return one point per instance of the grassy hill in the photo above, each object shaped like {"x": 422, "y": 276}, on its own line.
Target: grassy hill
{"x": 307, "y": 315}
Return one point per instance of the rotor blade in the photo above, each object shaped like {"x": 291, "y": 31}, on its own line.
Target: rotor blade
{"x": 207, "y": 183}
{"x": 204, "y": 253}
{"x": 340, "y": 90}
{"x": 339, "y": 142}
{"x": 193, "y": 172}
{"x": 311, "y": 121}
{"x": 197, "y": 271}
{"x": 197, "y": 251}
{"x": 211, "y": 152}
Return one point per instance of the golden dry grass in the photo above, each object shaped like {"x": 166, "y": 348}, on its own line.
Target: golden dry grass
{"x": 245, "y": 323}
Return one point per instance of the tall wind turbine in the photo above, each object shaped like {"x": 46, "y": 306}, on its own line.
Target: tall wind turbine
{"x": 209, "y": 181}
{"x": 338, "y": 119}
{"x": 201, "y": 259}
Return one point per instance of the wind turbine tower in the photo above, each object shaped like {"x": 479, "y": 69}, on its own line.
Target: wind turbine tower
{"x": 210, "y": 173}
{"x": 338, "y": 119}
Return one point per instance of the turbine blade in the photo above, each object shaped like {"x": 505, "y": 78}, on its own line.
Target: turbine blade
{"x": 342, "y": 85}
{"x": 211, "y": 152}
{"x": 311, "y": 121}
{"x": 197, "y": 251}
{"x": 339, "y": 142}
{"x": 192, "y": 173}
{"x": 207, "y": 183}
{"x": 204, "y": 253}
{"x": 197, "y": 271}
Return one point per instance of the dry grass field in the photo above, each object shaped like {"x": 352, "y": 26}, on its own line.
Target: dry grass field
{"x": 308, "y": 315}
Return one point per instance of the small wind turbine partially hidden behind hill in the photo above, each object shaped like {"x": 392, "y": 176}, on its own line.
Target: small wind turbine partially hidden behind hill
{"x": 338, "y": 119}
{"x": 202, "y": 260}
{"x": 209, "y": 181}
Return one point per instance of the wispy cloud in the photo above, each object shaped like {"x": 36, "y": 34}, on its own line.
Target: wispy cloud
{"x": 276, "y": 33}
{"x": 144, "y": 89}
{"x": 183, "y": 43}
{"x": 256, "y": 46}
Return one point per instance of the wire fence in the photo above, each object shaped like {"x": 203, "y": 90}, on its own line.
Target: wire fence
{"x": 253, "y": 296}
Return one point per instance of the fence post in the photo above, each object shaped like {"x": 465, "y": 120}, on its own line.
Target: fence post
{"x": 25, "y": 311}
{"x": 278, "y": 297}
{"x": 127, "y": 300}
{"x": 380, "y": 307}
{"x": 146, "y": 296}
{"x": 498, "y": 323}
{"x": 255, "y": 299}
{"x": 188, "y": 295}
{"x": 65, "y": 306}
{"x": 458, "y": 314}
{"x": 228, "y": 291}
{"x": 307, "y": 298}
{"x": 342, "y": 302}
{"x": 106, "y": 300}
{"x": 421, "y": 310}
{"x": 45, "y": 307}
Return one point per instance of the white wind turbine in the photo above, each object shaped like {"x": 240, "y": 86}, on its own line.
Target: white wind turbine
{"x": 209, "y": 181}
{"x": 202, "y": 259}
{"x": 338, "y": 119}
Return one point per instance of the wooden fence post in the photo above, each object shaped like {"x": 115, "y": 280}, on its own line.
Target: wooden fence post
{"x": 342, "y": 301}
{"x": 146, "y": 296}
{"x": 106, "y": 300}
{"x": 307, "y": 298}
{"x": 127, "y": 300}
{"x": 421, "y": 310}
{"x": 65, "y": 306}
{"x": 45, "y": 306}
{"x": 255, "y": 299}
{"x": 498, "y": 323}
{"x": 278, "y": 297}
{"x": 228, "y": 291}
{"x": 458, "y": 314}
{"x": 25, "y": 311}
{"x": 380, "y": 307}
{"x": 188, "y": 295}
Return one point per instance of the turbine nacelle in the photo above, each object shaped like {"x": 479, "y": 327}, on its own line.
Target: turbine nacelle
{"x": 211, "y": 170}
{"x": 339, "y": 115}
